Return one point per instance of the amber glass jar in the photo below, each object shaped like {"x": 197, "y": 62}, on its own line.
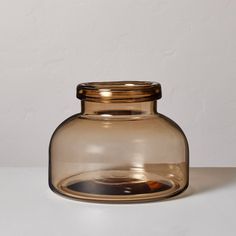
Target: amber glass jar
{"x": 118, "y": 148}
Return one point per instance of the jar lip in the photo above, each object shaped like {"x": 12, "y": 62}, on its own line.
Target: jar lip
{"x": 119, "y": 91}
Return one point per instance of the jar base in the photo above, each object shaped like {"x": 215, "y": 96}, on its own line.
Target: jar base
{"x": 118, "y": 186}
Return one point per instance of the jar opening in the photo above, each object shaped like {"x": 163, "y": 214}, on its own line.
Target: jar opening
{"x": 119, "y": 91}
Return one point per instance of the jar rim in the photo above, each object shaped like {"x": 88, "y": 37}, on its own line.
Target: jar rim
{"x": 119, "y": 91}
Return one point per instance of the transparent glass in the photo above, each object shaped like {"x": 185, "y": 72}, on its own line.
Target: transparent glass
{"x": 118, "y": 148}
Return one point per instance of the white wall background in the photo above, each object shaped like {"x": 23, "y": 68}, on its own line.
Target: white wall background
{"x": 47, "y": 47}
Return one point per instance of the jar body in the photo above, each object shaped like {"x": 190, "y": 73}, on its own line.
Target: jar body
{"x": 102, "y": 159}
{"x": 122, "y": 151}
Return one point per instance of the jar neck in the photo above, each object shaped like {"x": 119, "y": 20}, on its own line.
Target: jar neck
{"x": 119, "y": 109}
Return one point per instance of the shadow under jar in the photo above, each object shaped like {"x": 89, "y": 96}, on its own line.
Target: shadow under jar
{"x": 119, "y": 148}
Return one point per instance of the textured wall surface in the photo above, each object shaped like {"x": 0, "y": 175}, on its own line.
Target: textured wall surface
{"x": 48, "y": 47}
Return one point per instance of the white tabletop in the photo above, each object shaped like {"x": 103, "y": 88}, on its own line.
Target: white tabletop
{"x": 28, "y": 207}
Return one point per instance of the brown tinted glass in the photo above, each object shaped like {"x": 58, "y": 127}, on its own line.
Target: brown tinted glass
{"x": 118, "y": 148}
